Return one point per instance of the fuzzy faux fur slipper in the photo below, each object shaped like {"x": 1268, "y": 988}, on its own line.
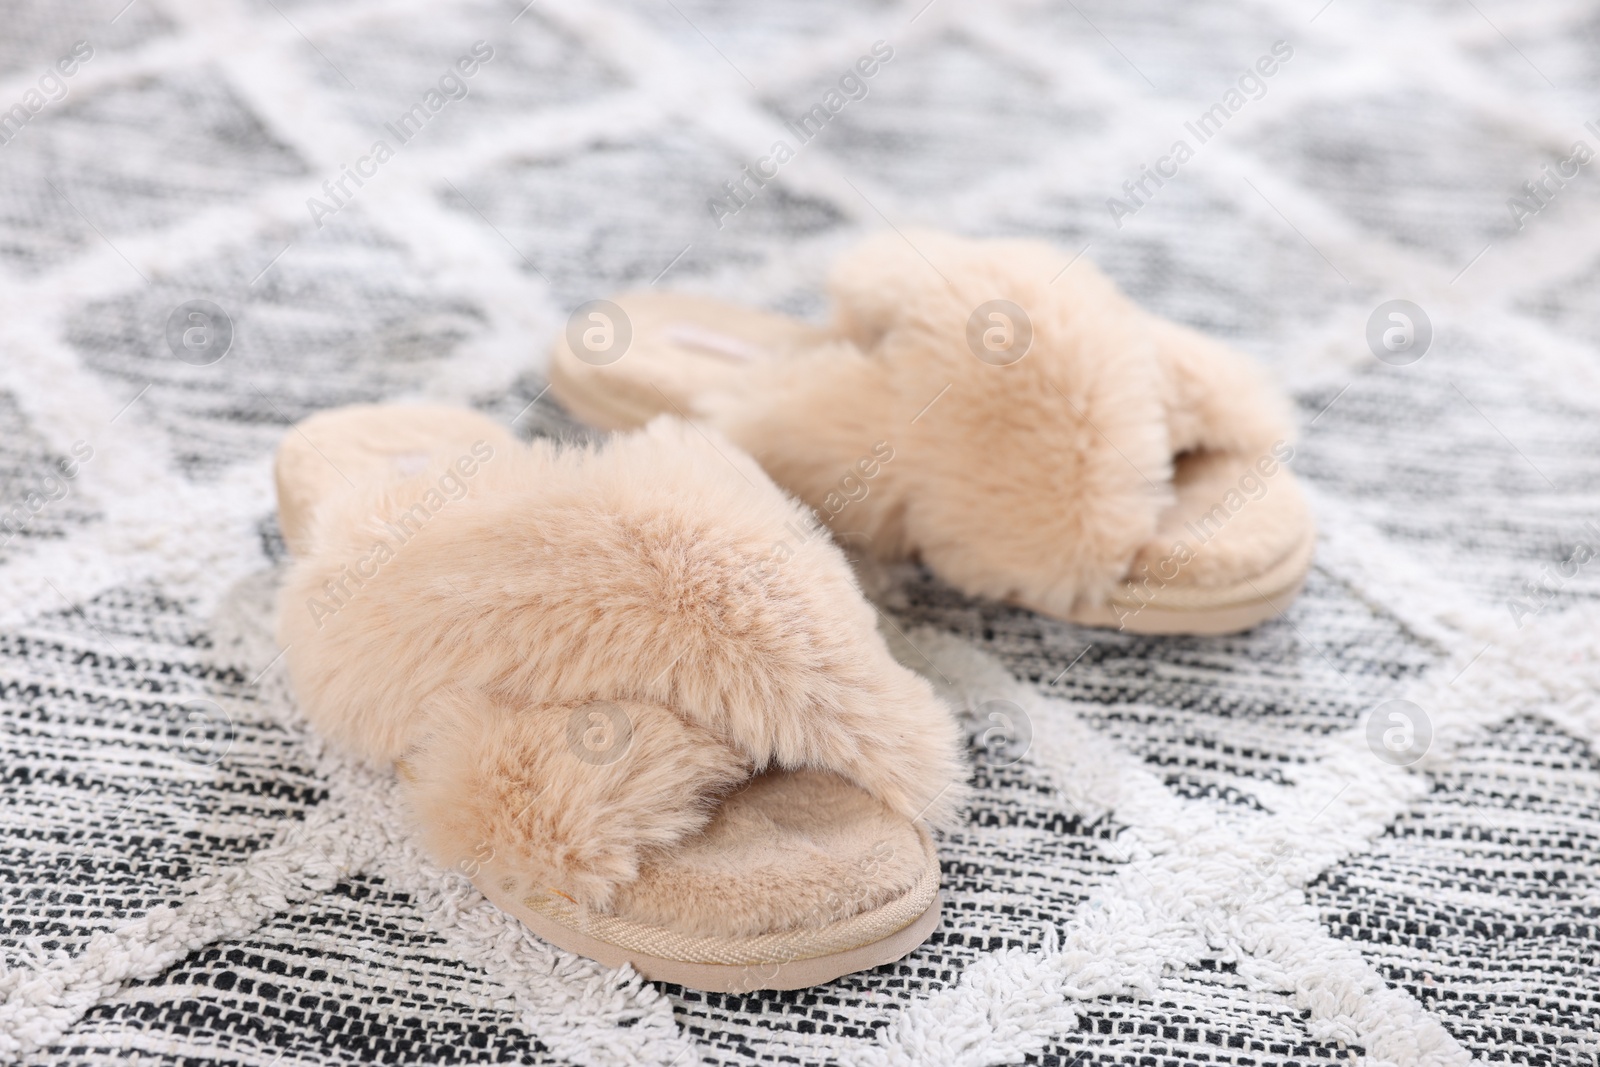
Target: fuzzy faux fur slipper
{"x": 633, "y": 692}
{"x": 995, "y": 409}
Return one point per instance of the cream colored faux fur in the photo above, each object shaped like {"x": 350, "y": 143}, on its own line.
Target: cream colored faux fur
{"x": 663, "y": 572}
{"x": 1039, "y": 481}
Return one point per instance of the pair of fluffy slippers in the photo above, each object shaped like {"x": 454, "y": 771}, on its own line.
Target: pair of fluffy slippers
{"x": 635, "y": 693}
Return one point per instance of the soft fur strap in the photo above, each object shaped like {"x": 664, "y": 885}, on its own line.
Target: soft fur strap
{"x": 521, "y": 791}
{"x": 664, "y": 575}
{"x": 1042, "y": 476}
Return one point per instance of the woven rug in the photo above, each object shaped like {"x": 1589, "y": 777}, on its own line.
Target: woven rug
{"x": 1366, "y": 831}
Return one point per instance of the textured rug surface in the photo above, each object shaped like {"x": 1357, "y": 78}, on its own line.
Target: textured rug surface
{"x": 1234, "y": 850}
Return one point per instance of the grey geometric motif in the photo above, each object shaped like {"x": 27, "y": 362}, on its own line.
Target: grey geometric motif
{"x": 145, "y": 153}
{"x": 344, "y": 316}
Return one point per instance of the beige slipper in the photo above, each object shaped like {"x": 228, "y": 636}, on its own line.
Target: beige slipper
{"x": 633, "y": 692}
{"x": 995, "y": 409}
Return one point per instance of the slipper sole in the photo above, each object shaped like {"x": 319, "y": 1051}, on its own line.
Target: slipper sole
{"x": 1226, "y": 609}
{"x": 735, "y": 965}
{"x": 732, "y": 978}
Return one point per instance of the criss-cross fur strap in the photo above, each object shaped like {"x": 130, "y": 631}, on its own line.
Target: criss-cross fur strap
{"x": 662, "y": 578}
{"x": 1040, "y": 476}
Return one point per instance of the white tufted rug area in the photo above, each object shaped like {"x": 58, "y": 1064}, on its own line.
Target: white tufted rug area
{"x": 1197, "y": 850}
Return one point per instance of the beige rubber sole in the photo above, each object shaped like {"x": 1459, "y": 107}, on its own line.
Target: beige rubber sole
{"x": 725, "y": 977}
{"x": 1226, "y": 610}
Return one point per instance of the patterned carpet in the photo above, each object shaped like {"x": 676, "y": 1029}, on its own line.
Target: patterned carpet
{"x": 1207, "y": 851}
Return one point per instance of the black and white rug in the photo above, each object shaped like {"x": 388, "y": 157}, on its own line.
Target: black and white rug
{"x": 1368, "y": 831}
